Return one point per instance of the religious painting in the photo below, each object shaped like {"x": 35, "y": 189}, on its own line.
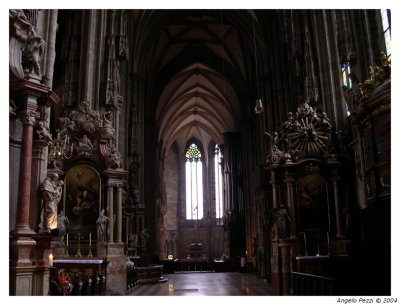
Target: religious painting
{"x": 82, "y": 199}
{"x": 312, "y": 199}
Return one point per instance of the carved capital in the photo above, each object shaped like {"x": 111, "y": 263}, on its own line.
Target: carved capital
{"x": 110, "y": 185}
{"x": 289, "y": 180}
{"x": 28, "y": 117}
{"x": 119, "y": 185}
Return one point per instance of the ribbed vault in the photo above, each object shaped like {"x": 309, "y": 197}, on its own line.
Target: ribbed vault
{"x": 199, "y": 73}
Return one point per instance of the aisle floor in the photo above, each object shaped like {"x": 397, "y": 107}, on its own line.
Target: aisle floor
{"x": 208, "y": 284}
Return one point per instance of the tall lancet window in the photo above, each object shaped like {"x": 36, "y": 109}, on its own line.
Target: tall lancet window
{"x": 218, "y": 183}
{"x": 194, "y": 182}
{"x": 386, "y": 30}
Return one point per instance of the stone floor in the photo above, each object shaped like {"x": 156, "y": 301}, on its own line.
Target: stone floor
{"x": 206, "y": 284}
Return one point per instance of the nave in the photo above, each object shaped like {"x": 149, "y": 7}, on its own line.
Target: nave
{"x": 206, "y": 284}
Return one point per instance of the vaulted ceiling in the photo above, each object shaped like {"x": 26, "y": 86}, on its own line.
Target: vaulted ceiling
{"x": 199, "y": 62}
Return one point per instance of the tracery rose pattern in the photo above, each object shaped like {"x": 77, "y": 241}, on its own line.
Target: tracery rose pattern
{"x": 306, "y": 133}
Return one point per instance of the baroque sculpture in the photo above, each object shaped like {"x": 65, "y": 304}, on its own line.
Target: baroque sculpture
{"x": 306, "y": 133}
{"x": 102, "y": 227}
{"x": 32, "y": 53}
{"x": 91, "y": 134}
{"x": 282, "y": 220}
{"x": 43, "y": 133}
{"x": 51, "y": 191}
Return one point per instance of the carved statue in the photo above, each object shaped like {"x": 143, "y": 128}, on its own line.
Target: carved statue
{"x": 107, "y": 130}
{"x": 133, "y": 244}
{"x": 102, "y": 227}
{"x": 273, "y": 141}
{"x": 282, "y": 220}
{"x": 51, "y": 191}
{"x": 62, "y": 223}
{"x": 88, "y": 119}
{"x": 43, "y": 132}
{"x": 325, "y": 121}
{"x": 84, "y": 146}
{"x": 144, "y": 236}
{"x": 66, "y": 126}
{"x": 115, "y": 157}
{"x": 32, "y": 53}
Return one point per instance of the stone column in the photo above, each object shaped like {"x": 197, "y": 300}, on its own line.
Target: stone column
{"x": 338, "y": 214}
{"x": 110, "y": 203}
{"x": 290, "y": 202}
{"x": 274, "y": 189}
{"x": 285, "y": 271}
{"x": 24, "y": 198}
{"x": 119, "y": 213}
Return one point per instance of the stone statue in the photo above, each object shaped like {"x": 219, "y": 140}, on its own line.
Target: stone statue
{"x": 51, "y": 191}
{"x": 62, "y": 223}
{"x": 282, "y": 220}
{"x": 133, "y": 244}
{"x": 144, "y": 235}
{"x": 107, "y": 130}
{"x": 32, "y": 53}
{"x": 115, "y": 157}
{"x": 84, "y": 146}
{"x": 102, "y": 227}
{"x": 273, "y": 141}
{"x": 43, "y": 133}
{"x": 325, "y": 121}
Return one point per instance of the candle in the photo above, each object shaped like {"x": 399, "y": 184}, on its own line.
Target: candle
{"x": 67, "y": 239}
{"x": 90, "y": 239}
{"x": 51, "y": 260}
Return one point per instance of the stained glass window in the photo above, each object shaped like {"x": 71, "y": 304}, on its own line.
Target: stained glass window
{"x": 194, "y": 182}
{"x": 346, "y": 80}
{"x": 193, "y": 153}
{"x": 218, "y": 183}
{"x": 386, "y": 29}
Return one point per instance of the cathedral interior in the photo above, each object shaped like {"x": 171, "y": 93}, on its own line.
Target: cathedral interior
{"x": 147, "y": 144}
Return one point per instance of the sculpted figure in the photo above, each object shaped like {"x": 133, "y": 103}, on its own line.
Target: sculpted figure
{"x": 32, "y": 53}
{"x": 102, "y": 227}
{"x": 43, "y": 132}
{"x": 115, "y": 157}
{"x": 84, "y": 145}
{"x": 62, "y": 223}
{"x": 282, "y": 222}
{"x": 133, "y": 244}
{"x": 107, "y": 130}
{"x": 51, "y": 191}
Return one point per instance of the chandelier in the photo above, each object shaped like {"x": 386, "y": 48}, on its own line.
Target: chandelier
{"x": 60, "y": 149}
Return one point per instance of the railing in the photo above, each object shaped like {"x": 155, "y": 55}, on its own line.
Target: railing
{"x": 309, "y": 284}
{"x": 88, "y": 285}
{"x": 82, "y": 285}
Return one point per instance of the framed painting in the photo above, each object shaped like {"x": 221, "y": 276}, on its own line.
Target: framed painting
{"x": 312, "y": 201}
{"x": 82, "y": 199}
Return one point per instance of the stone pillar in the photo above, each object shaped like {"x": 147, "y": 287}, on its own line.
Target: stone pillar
{"x": 275, "y": 271}
{"x": 110, "y": 203}
{"x": 21, "y": 244}
{"x": 285, "y": 269}
{"x": 24, "y": 198}
{"x": 338, "y": 214}
{"x": 39, "y": 173}
{"x": 290, "y": 202}
{"x": 119, "y": 213}
{"x": 275, "y": 198}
